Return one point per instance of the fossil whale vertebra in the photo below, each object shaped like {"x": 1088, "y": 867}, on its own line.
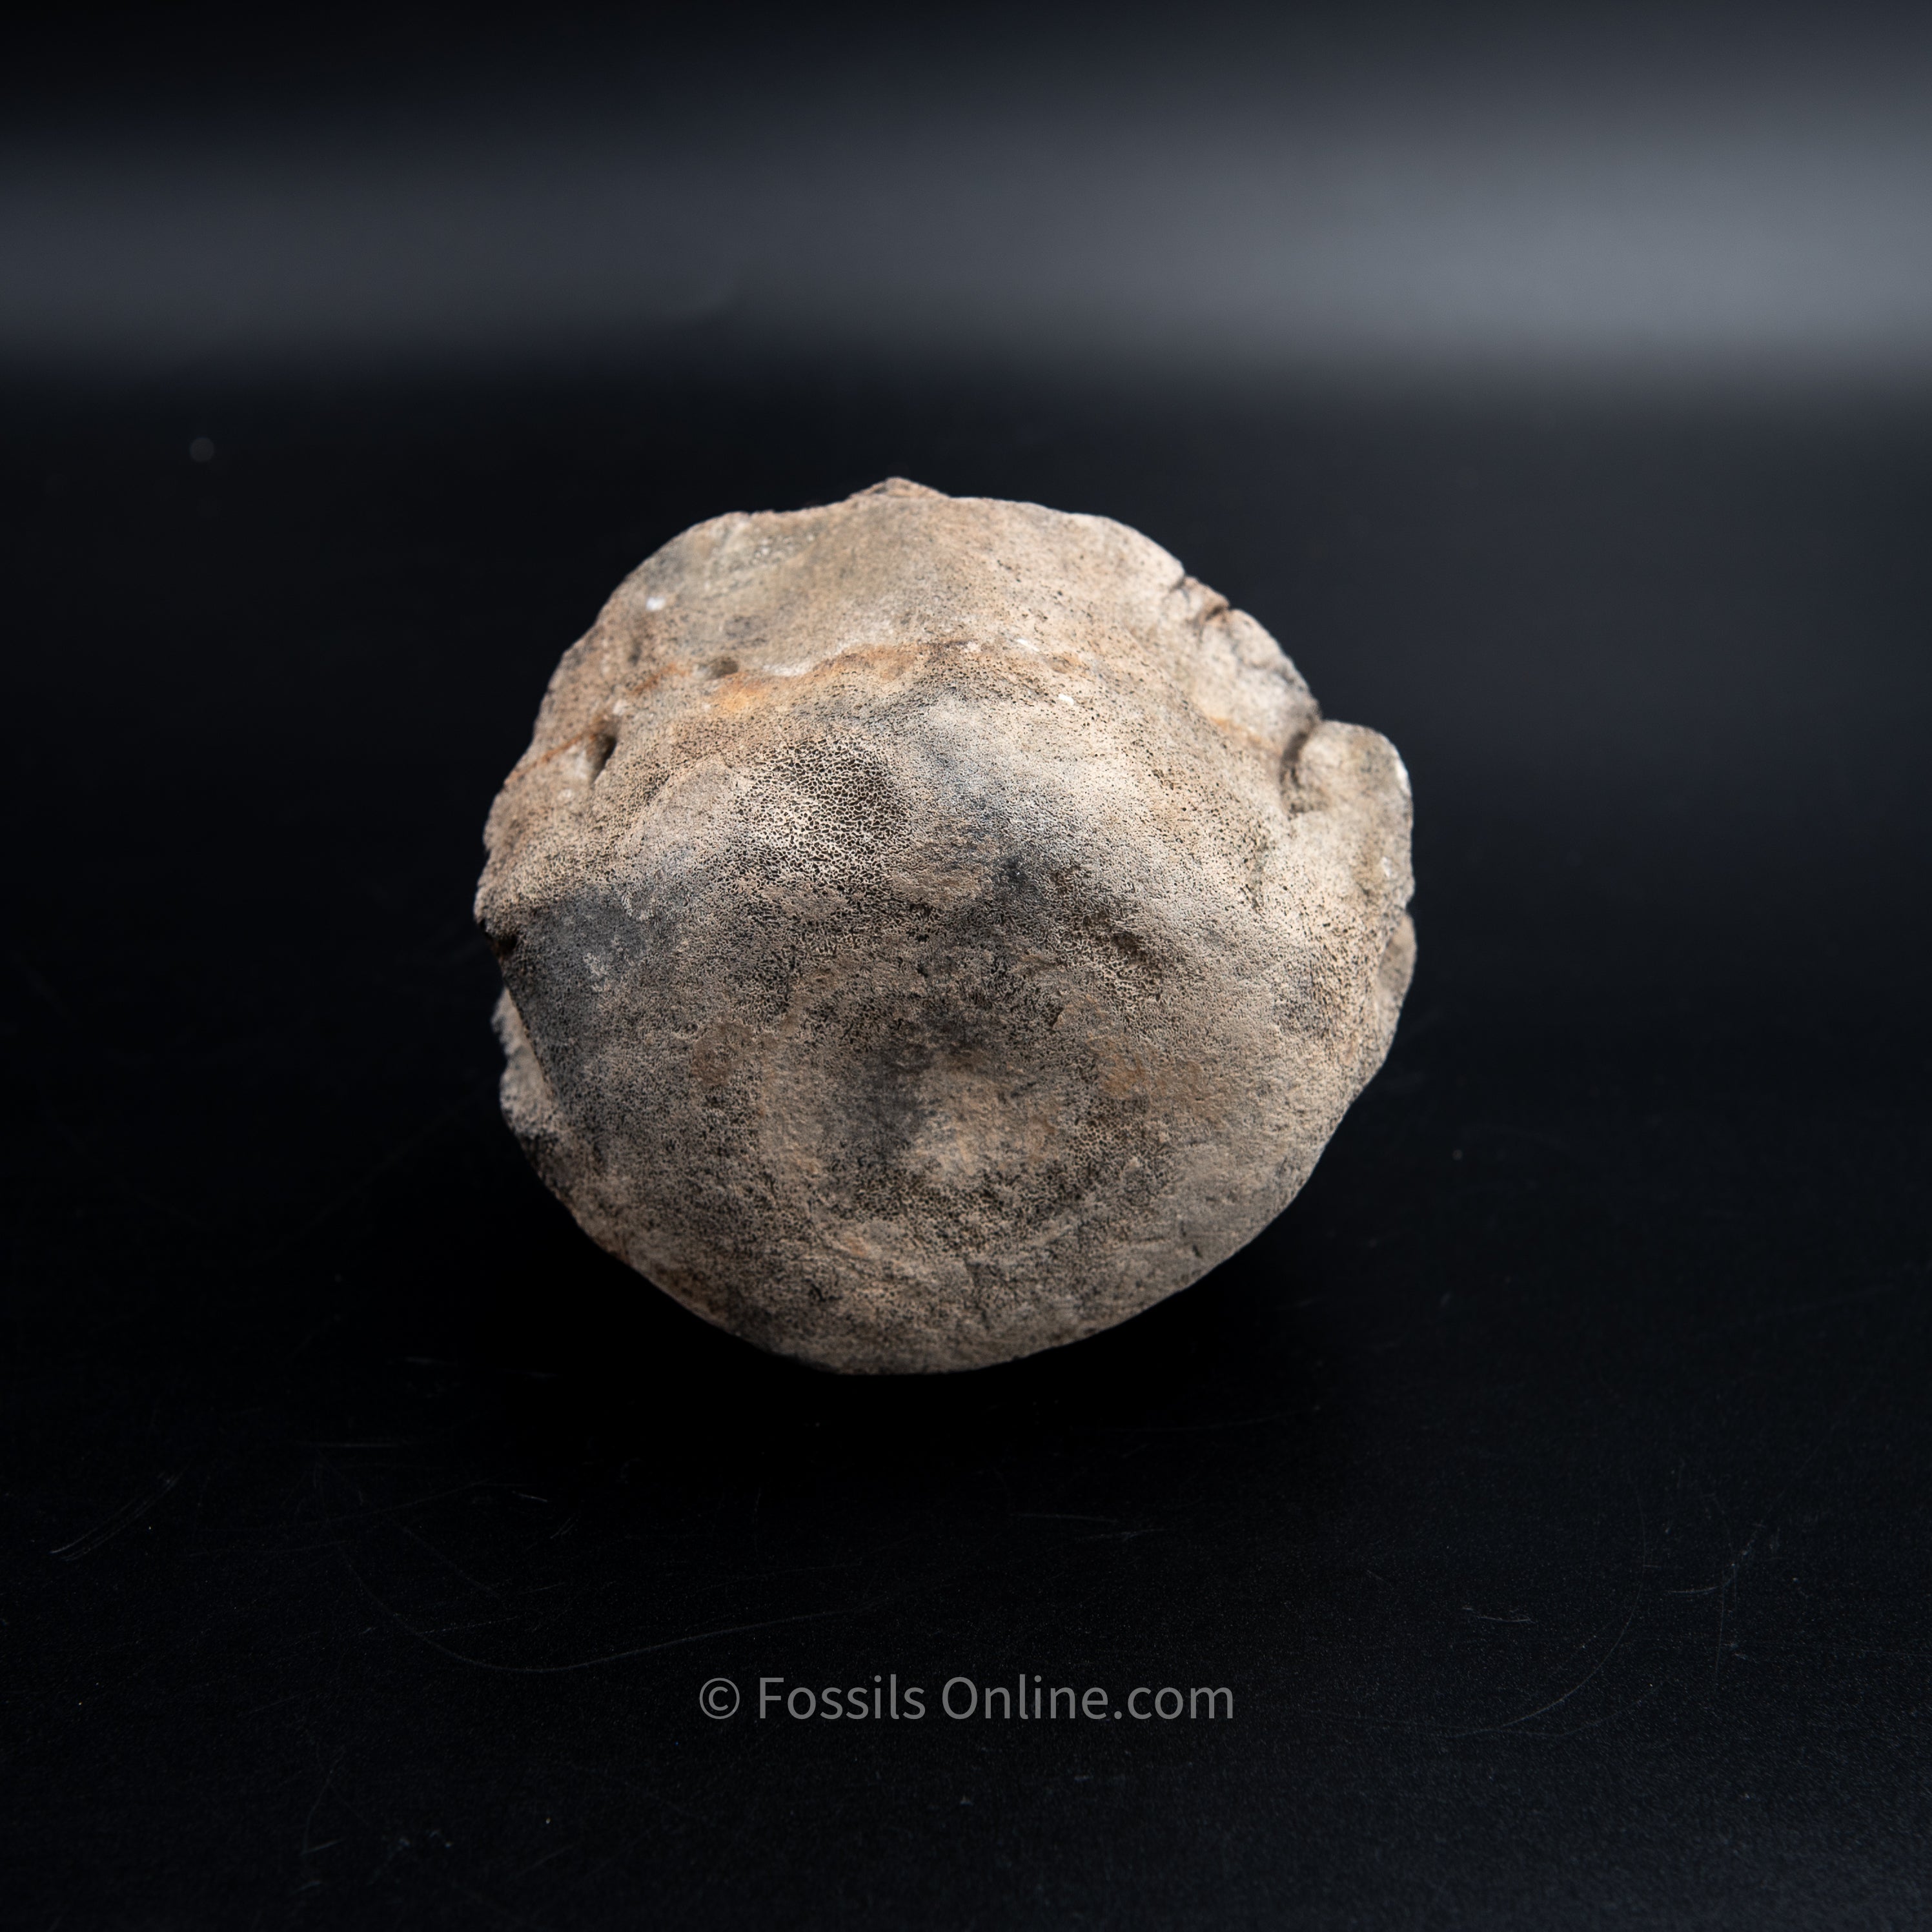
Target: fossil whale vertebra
{"x": 935, "y": 928}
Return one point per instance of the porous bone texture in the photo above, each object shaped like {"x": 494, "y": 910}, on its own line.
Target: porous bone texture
{"x": 935, "y": 928}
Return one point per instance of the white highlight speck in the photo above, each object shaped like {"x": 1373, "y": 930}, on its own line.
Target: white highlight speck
{"x": 654, "y": 603}
{"x": 1063, "y": 699}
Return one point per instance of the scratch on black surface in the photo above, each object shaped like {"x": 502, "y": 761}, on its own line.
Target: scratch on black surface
{"x": 1543, "y": 1710}
{"x": 1817, "y": 1307}
{"x": 371, "y": 1511}
{"x": 556, "y": 1852}
{"x": 1594, "y": 1724}
{"x": 309, "y": 1847}
{"x": 1727, "y": 1584}
{"x": 1629, "y": 1617}
{"x": 587, "y": 1663}
{"x": 503, "y": 1911}
{"x": 450, "y": 1565}
{"x": 126, "y": 1516}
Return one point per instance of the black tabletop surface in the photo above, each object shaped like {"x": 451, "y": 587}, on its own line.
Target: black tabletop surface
{"x": 1547, "y": 1488}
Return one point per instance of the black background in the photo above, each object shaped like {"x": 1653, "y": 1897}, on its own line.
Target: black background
{"x": 1548, "y": 1485}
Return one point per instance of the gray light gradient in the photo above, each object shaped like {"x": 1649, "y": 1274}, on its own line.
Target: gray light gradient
{"x": 1595, "y": 201}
